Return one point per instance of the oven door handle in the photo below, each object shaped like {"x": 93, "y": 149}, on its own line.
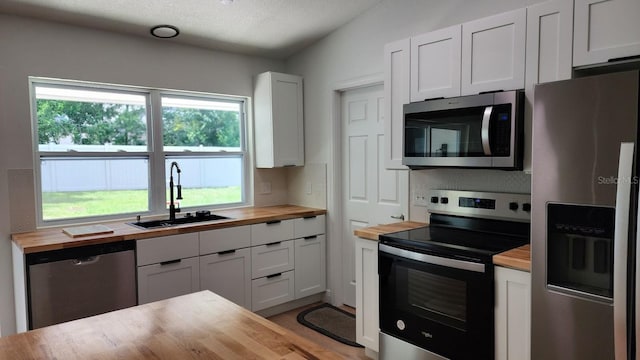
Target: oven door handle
{"x": 431, "y": 259}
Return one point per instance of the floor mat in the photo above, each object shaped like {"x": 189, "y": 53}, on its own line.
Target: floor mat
{"x": 332, "y": 322}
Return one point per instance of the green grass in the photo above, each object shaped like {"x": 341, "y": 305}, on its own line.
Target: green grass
{"x": 72, "y": 204}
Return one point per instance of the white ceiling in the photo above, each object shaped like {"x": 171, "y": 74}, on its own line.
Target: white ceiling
{"x": 270, "y": 28}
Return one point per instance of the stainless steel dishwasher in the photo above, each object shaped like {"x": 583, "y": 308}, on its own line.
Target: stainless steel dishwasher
{"x": 73, "y": 283}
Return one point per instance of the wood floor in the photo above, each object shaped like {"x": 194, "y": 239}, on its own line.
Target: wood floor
{"x": 288, "y": 320}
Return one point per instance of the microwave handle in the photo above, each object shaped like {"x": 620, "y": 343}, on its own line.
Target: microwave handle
{"x": 486, "y": 123}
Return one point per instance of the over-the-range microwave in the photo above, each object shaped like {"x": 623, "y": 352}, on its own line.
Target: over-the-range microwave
{"x": 476, "y": 131}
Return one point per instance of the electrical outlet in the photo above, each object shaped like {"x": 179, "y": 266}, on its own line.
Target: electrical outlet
{"x": 308, "y": 188}
{"x": 419, "y": 196}
{"x": 266, "y": 187}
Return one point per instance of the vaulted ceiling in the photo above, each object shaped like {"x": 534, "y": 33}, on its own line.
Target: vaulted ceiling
{"x": 269, "y": 28}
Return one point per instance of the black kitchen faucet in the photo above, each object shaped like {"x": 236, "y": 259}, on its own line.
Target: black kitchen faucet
{"x": 172, "y": 207}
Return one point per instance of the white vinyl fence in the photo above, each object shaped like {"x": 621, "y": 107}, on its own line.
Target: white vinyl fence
{"x": 132, "y": 174}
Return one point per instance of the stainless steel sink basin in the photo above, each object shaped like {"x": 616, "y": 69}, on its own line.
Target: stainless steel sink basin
{"x": 152, "y": 224}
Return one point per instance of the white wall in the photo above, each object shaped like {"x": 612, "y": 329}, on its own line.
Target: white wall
{"x": 354, "y": 52}
{"x": 36, "y": 48}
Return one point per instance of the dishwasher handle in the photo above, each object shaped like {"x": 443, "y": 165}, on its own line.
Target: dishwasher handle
{"x": 84, "y": 261}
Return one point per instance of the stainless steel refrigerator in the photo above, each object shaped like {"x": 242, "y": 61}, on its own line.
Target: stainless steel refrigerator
{"x": 584, "y": 218}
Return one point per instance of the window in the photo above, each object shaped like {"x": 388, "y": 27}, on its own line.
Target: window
{"x": 105, "y": 151}
{"x": 195, "y": 133}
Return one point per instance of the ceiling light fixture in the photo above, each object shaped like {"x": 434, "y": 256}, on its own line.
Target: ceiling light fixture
{"x": 165, "y": 31}
{"x": 226, "y": 2}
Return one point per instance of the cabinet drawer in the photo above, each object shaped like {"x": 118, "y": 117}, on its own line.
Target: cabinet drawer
{"x": 308, "y": 226}
{"x": 272, "y": 259}
{"x": 218, "y": 240}
{"x": 273, "y": 290}
{"x": 272, "y": 231}
{"x": 163, "y": 281}
{"x": 166, "y": 248}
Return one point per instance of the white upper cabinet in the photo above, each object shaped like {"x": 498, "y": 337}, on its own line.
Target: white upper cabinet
{"x": 435, "y": 64}
{"x": 605, "y": 29}
{"x": 493, "y": 53}
{"x": 279, "y": 133}
{"x": 549, "y": 42}
{"x": 549, "y": 53}
{"x": 396, "y": 94}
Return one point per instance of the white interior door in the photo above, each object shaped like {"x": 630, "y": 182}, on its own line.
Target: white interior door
{"x": 372, "y": 195}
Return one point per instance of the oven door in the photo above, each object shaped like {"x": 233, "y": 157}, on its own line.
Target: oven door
{"x": 436, "y": 303}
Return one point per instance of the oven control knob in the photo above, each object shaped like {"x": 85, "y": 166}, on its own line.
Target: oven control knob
{"x": 513, "y": 206}
{"x": 434, "y": 199}
{"x": 400, "y": 324}
{"x": 444, "y": 200}
{"x": 526, "y": 207}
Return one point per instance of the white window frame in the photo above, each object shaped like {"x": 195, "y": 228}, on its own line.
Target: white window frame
{"x": 155, "y": 149}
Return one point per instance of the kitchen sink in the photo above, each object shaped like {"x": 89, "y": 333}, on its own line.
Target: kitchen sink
{"x": 189, "y": 219}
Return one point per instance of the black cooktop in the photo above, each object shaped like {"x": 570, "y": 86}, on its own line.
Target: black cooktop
{"x": 459, "y": 237}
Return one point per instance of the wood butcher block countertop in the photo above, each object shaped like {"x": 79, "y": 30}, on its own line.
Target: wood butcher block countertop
{"x": 372, "y": 232}
{"x": 201, "y": 325}
{"x": 518, "y": 258}
{"x": 54, "y": 238}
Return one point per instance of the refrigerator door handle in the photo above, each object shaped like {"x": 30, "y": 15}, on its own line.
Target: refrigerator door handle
{"x": 637, "y": 285}
{"x": 620, "y": 248}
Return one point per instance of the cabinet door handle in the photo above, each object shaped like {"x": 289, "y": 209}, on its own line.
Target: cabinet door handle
{"x": 274, "y": 243}
{"x": 310, "y": 217}
{"x": 227, "y": 252}
{"x": 273, "y": 276}
{"x": 170, "y": 262}
{"x": 310, "y": 237}
{"x": 273, "y": 222}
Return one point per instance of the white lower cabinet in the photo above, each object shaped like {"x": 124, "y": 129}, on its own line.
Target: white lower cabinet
{"x": 168, "y": 279}
{"x": 512, "y": 314}
{"x": 256, "y": 266}
{"x": 273, "y": 275}
{"x": 225, "y": 263}
{"x": 367, "y": 317}
{"x": 228, "y": 274}
{"x": 168, "y": 266}
{"x": 271, "y": 259}
{"x": 288, "y": 260}
{"x": 310, "y": 265}
{"x": 272, "y": 290}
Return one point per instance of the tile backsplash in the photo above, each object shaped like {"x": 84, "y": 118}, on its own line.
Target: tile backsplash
{"x": 422, "y": 181}
{"x": 304, "y": 186}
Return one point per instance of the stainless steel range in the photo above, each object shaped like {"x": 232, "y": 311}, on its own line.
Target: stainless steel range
{"x": 436, "y": 282}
